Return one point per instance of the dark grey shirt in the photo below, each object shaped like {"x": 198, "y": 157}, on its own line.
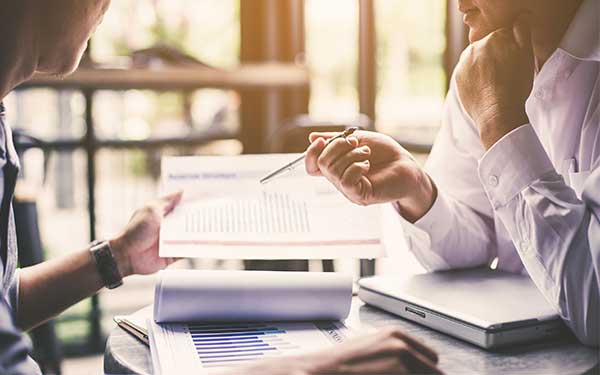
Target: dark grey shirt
{"x": 14, "y": 350}
{"x": 9, "y": 167}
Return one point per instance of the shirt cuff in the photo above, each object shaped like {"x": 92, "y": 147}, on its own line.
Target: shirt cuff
{"x": 512, "y": 164}
{"x": 423, "y": 236}
{"x": 432, "y": 222}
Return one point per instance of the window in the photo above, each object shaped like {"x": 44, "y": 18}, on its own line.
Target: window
{"x": 411, "y": 78}
{"x": 410, "y": 46}
{"x": 332, "y": 57}
{"x": 206, "y": 29}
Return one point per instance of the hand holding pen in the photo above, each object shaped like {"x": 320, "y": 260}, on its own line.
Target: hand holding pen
{"x": 372, "y": 168}
{"x": 295, "y": 163}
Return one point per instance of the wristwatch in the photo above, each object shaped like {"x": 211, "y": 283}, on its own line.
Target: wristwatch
{"x": 106, "y": 264}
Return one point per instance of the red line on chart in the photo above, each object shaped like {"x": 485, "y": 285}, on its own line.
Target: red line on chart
{"x": 262, "y": 243}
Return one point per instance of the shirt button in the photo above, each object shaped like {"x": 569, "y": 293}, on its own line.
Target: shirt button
{"x": 493, "y": 181}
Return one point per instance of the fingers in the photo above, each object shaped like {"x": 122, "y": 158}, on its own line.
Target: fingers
{"x": 324, "y": 135}
{"x": 321, "y": 155}
{"x": 167, "y": 203}
{"x": 334, "y": 151}
{"x": 170, "y": 261}
{"x": 522, "y": 31}
{"x": 417, "y": 363}
{"x": 414, "y": 355}
{"x": 353, "y": 174}
{"x": 355, "y": 185}
{"x": 387, "y": 352}
{"x": 344, "y": 163}
{"x": 417, "y": 345}
{"x": 340, "y": 166}
{"x": 312, "y": 156}
{"x": 392, "y": 354}
{"x": 378, "y": 365}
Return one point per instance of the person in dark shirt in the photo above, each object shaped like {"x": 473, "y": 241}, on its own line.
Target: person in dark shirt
{"x": 50, "y": 37}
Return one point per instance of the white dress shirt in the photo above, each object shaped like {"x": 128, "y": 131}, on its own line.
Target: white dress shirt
{"x": 533, "y": 200}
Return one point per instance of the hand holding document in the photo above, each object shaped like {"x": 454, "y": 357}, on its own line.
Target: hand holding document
{"x": 226, "y": 213}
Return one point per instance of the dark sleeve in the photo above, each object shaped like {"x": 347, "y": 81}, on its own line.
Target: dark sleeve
{"x": 14, "y": 348}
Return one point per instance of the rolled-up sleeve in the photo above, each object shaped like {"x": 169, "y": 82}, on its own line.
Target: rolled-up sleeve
{"x": 14, "y": 349}
{"x": 556, "y": 233}
{"x": 13, "y": 294}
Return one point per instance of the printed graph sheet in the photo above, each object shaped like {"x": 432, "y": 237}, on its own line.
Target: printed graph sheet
{"x": 213, "y": 348}
{"x": 227, "y": 214}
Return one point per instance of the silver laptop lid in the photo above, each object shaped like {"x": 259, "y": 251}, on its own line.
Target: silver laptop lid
{"x": 482, "y": 297}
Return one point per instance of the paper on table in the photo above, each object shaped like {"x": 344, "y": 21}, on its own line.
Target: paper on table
{"x": 225, "y": 296}
{"x": 209, "y": 349}
{"x": 227, "y": 214}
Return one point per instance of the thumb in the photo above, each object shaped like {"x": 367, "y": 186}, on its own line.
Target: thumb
{"x": 522, "y": 30}
{"x": 168, "y": 202}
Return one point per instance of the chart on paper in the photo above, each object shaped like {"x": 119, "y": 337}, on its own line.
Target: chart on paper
{"x": 218, "y": 346}
{"x": 271, "y": 212}
{"x": 227, "y": 214}
{"x": 207, "y": 348}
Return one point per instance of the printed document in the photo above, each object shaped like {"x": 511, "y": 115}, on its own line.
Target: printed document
{"x": 226, "y": 213}
{"x": 191, "y": 348}
{"x": 233, "y": 296}
{"x": 207, "y": 321}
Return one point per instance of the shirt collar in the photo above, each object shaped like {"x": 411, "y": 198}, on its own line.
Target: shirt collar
{"x": 582, "y": 40}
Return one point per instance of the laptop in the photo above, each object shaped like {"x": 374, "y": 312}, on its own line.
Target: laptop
{"x": 488, "y": 308}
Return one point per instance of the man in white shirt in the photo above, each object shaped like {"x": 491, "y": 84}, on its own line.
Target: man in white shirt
{"x": 514, "y": 175}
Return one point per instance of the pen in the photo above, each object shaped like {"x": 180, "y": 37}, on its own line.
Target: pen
{"x": 290, "y": 166}
{"x": 133, "y": 329}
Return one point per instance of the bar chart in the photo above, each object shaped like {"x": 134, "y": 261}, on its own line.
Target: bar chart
{"x": 229, "y": 345}
{"x": 209, "y": 348}
{"x": 269, "y": 212}
{"x": 225, "y": 345}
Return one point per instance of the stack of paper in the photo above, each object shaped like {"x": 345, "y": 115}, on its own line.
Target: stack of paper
{"x": 226, "y": 296}
{"x": 207, "y": 321}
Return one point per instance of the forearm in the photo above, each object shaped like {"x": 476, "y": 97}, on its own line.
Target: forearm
{"x": 49, "y": 288}
{"x": 556, "y": 233}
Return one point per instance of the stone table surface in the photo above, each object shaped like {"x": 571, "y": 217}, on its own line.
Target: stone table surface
{"x": 126, "y": 355}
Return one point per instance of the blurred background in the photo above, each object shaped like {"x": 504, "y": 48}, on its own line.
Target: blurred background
{"x": 211, "y": 77}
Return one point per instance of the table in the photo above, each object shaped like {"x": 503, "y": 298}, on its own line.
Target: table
{"x": 125, "y": 355}
{"x": 247, "y": 76}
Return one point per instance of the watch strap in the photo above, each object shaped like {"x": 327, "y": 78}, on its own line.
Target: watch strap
{"x": 106, "y": 264}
